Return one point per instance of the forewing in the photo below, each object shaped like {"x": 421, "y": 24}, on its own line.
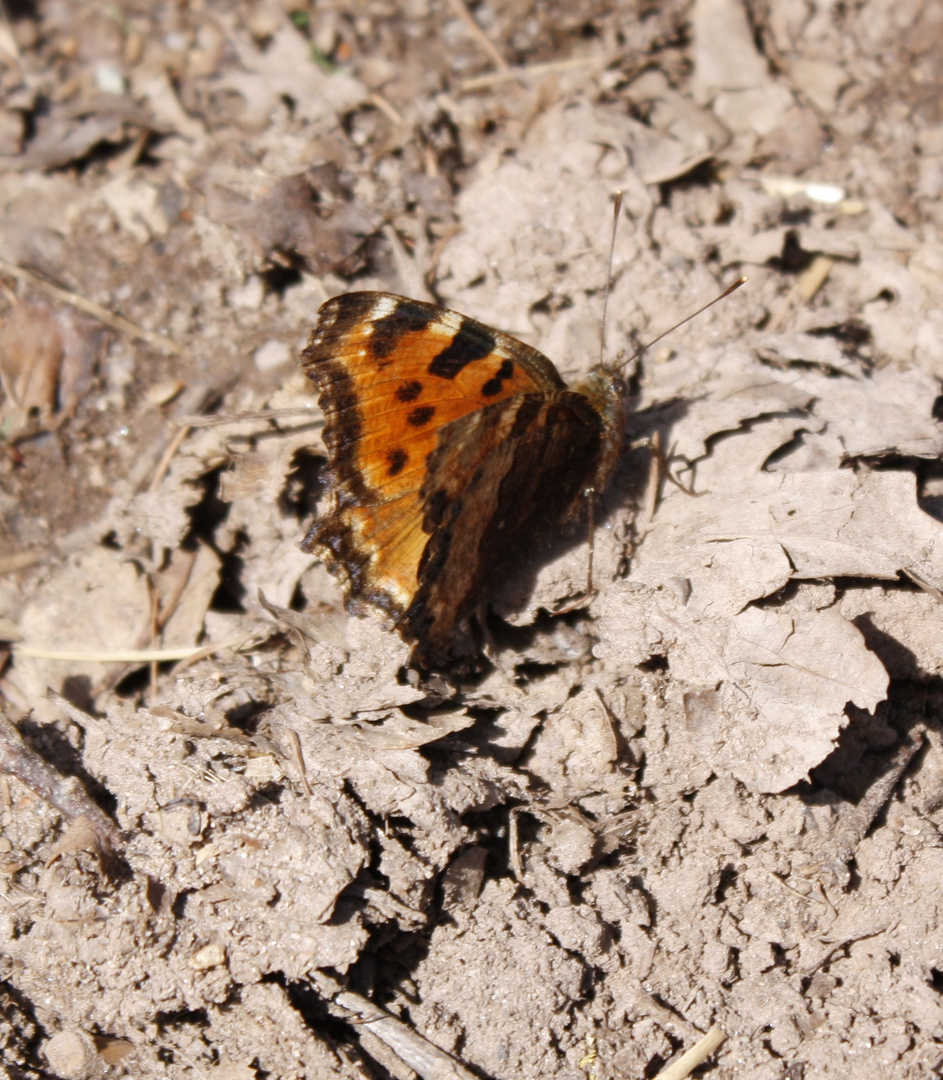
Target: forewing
{"x": 392, "y": 374}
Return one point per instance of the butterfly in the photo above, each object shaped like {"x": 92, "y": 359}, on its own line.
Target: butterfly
{"x": 452, "y": 448}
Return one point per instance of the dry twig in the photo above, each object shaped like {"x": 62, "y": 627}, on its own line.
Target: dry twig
{"x": 187, "y": 653}
{"x": 480, "y": 36}
{"x": 424, "y": 1058}
{"x": 109, "y": 318}
{"x": 65, "y": 793}
{"x": 690, "y": 1059}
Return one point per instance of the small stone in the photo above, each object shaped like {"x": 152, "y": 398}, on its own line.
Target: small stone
{"x": 271, "y": 355}
{"x": 249, "y": 295}
{"x": 162, "y": 393}
{"x": 210, "y": 956}
{"x": 72, "y": 1055}
{"x": 820, "y": 81}
{"x": 263, "y": 769}
{"x": 110, "y": 79}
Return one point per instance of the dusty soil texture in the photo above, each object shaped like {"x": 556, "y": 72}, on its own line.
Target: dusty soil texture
{"x": 238, "y": 838}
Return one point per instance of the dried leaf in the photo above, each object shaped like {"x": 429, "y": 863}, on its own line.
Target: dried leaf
{"x": 69, "y": 131}
{"x": 30, "y": 356}
{"x": 47, "y": 359}
{"x": 785, "y": 679}
{"x": 189, "y": 583}
{"x": 294, "y": 220}
{"x": 781, "y": 677}
{"x": 285, "y": 68}
{"x": 98, "y": 602}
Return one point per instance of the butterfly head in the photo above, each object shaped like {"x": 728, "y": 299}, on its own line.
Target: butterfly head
{"x": 606, "y": 388}
{"x": 606, "y": 391}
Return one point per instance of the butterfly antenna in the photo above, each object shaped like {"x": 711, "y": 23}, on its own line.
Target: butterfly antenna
{"x": 694, "y": 314}
{"x": 616, "y": 210}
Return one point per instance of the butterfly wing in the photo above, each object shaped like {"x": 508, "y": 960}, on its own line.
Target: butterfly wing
{"x": 393, "y": 374}
{"x": 499, "y": 478}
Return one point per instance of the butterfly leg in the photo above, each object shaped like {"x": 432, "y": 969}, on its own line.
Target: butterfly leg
{"x": 583, "y": 598}
{"x": 658, "y": 468}
{"x": 590, "y": 494}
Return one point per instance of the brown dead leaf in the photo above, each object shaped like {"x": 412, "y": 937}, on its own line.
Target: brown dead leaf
{"x": 787, "y": 677}
{"x": 675, "y": 114}
{"x": 302, "y": 217}
{"x": 63, "y": 139}
{"x": 185, "y": 591}
{"x": 47, "y": 358}
{"x": 286, "y": 69}
{"x": 768, "y": 685}
{"x": 69, "y": 131}
{"x": 903, "y": 628}
{"x": 98, "y": 602}
{"x": 784, "y": 676}
{"x": 30, "y": 355}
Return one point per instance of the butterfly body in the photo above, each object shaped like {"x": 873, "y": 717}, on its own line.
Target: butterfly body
{"x": 452, "y": 447}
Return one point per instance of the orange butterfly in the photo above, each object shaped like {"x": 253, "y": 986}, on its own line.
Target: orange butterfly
{"x": 452, "y": 447}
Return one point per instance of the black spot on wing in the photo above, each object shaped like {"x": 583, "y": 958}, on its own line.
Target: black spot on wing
{"x": 407, "y": 317}
{"x": 494, "y": 384}
{"x": 420, "y": 416}
{"x": 408, "y": 391}
{"x": 472, "y": 342}
{"x": 396, "y": 459}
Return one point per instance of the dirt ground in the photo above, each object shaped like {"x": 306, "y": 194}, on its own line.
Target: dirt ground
{"x": 238, "y": 838}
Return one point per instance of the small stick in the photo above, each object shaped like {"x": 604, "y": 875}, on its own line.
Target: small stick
{"x": 167, "y": 457}
{"x": 118, "y": 322}
{"x": 480, "y": 36}
{"x": 65, "y": 793}
{"x": 653, "y": 489}
{"x": 423, "y": 1057}
{"x": 298, "y": 754}
{"x": 207, "y": 650}
{"x": 690, "y": 1060}
{"x": 591, "y": 496}
{"x": 387, "y": 109}
{"x": 155, "y": 634}
{"x": 196, "y": 421}
{"x": 131, "y": 656}
{"x": 20, "y": 560}
{"x": 534, "y": 71}
{"x": 514, "y": 855}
